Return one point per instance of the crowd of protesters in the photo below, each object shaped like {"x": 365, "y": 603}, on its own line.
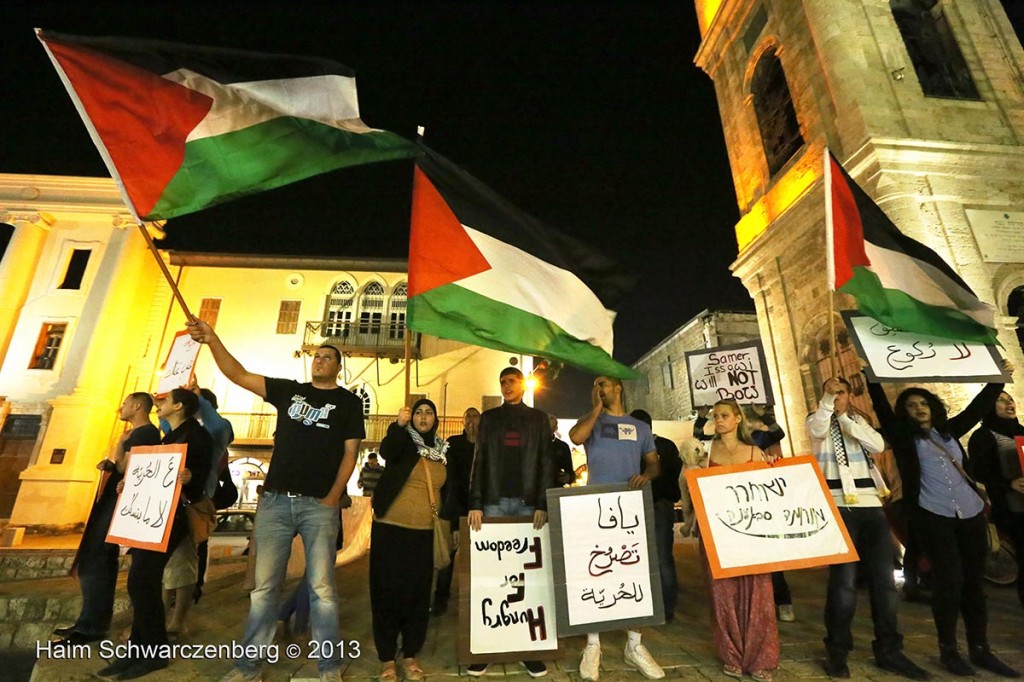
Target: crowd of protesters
{"x": 502, "y": 465}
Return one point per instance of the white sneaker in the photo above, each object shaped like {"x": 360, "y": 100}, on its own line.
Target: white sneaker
{"x": 640, "y": 658}
{"x": 236, "y": 675}
{"x": 590, "y": 664}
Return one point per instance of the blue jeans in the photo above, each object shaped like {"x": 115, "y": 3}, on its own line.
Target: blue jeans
{"x": 508, "y": 506}
{"x": 278, "y": 519}
{"x": 664, "y": 517}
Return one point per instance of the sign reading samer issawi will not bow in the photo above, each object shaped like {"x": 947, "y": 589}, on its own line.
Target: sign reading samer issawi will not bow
{"x": 756, "y": 518}
{"x": 735, "y": 372}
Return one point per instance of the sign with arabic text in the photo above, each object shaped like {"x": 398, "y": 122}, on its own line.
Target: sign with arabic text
{"x": 145, "y": 508}
{"x": 897, "y": 356}
{"x": 506, "y": 593}
{"x": 181, "y": 363}
{"x": 606, "y": 562}
{"x": 756, "y": 518}
{"x": 735, "y": 372}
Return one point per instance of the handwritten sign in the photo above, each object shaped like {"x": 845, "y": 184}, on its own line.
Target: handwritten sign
{"x": 898, "y": 356}
{"x": 606, "y": 562}
{"x": 145, "y": 508}
{"x": 1019, "y": 440}
{"x": 756, "y": 518}
{"x": 181, "y": 362}
{"x": 735, "y": 372}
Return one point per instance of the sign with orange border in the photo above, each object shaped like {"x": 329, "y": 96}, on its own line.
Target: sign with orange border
{"x": 757, "y": 518}
{"x": 147, "y": 504}
{"x": 1019, "y": 440}
{"x": 180, "y": 367}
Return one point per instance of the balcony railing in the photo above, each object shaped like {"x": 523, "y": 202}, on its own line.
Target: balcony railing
{"x": 250, "y": 426}
{"x": 360, "y": 337}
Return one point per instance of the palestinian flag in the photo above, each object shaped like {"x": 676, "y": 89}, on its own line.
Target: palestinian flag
{"x": 183, "y": 127}
{"x": 896, "y": 280}
{"x": 484, "y": 273}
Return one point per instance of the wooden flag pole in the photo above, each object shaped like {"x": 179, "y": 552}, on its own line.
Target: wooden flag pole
{"x": 832, "y": 330}
{"x": 420, "y": 130}
{"x": 167, "y": 273}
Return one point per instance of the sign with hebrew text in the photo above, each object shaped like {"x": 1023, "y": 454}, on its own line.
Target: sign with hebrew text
{"x": 898, "y": 356}
{"x": 147, "y": 504}
{"x": 734, "y": 372}
{"x": 181, "y": 362}
{"x": 755, "y": 518}
{"x": 606, "y": 562}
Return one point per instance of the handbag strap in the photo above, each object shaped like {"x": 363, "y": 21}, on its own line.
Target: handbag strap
{"x": 430, "y": 487}
{"x": 954, "y": 462}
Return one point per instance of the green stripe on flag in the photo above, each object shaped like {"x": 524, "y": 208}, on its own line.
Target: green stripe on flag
{"x": 452, "y": 312}
{"x": 268, "y": 155}
{"x": 898, "y": 309}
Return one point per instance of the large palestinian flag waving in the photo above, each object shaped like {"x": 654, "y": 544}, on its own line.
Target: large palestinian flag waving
{"x": 183, "y": 127}
{"x": 484, "y": 273}
{"x": 896, "y": 280}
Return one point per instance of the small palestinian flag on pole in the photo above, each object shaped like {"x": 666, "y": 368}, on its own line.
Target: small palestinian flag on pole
{"x": 485, "y": 273}
{"x": 896, "y": 280}
{"x": 183, "y": 127}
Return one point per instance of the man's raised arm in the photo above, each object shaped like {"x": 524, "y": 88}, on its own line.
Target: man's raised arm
{"x": 231, "y": 368}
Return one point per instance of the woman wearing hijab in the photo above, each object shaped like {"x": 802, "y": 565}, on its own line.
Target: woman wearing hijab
{"x": 946, "y": 514}
{"x": 997, "y": 465}
{"x": 402, "y": 541}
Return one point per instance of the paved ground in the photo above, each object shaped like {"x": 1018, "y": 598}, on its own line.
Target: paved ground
{"x": 684, "y": 648}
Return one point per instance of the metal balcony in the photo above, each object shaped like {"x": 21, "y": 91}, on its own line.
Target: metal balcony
{"x": 360, "y": 338}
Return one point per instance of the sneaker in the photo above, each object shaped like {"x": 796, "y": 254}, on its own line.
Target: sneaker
{"x": 590, "y": 664}
{"x": 640, "y": 658}
{"x": 983, "y": 657}
{"x": 331, "y": 675}
{"x": 785, "y": 613}
{"x": 896, "y": 662}
{"x": 63, "y": 632}
{"x": 477, "y": 669}
{"x": 236, "y": 675}
{"x": 536, "y": 668}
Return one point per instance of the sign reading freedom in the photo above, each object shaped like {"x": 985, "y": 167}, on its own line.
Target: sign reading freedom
{"x": 756, "y": 518}
{"x": 735, "y": 372}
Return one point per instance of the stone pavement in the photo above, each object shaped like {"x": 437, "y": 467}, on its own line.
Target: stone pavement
{"x": 683, "y": 648}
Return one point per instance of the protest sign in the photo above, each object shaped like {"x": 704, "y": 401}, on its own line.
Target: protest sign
{"x": 145, "y": 508}
{"x": 898, "y": 356}
{"x": 506, "y": 593}
{"x": 1020, "y": 450}
{"x": 606, "y": 562}
{"x": 734, "y": 372}
{"x": 756, "y": 518}
{"x": 181, "y": 362}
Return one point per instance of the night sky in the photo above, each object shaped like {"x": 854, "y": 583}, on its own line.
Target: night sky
{"x": 590, "y": 116}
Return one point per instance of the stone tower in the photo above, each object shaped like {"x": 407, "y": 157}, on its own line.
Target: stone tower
{"x": 923, "y": 102}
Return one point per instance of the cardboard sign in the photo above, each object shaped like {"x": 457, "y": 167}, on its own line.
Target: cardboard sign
{"x": 737, "y": 372}
{"x": 756, "y": 518}
{"x": 897, "y": 356}
{"x": 606, "y": 561}
{"x": 1020, "y": 450}
{"x": 146, "y": 507}
{"x": 181, "y": 363}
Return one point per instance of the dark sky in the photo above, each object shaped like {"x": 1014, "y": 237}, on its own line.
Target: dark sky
{"x": 590, "y": 116}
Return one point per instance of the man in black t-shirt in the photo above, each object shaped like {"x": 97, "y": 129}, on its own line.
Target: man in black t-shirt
{"x": 319, "y": 428}
{"x": 96, "y": 561}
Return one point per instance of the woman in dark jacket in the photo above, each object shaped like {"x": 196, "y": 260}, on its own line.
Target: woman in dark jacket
{"x": 402, "y": 540}
{"x": 145, "y": 577}
{"x": 946, "y": 513}
{"x": 997, "y": 465}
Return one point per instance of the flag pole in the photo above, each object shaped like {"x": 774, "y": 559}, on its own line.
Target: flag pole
{"x": 832, "y": 329}
{"x": 830, "y": 264}
{"x": 420, "y": 130}
{"x": 163, "y": 269}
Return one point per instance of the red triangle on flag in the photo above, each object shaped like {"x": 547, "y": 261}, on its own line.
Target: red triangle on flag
{"x": 142, "y": 119}
{"x": 440, "y": 250}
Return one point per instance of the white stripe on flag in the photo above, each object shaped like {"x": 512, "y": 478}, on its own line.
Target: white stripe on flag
{"x": 523, "y": 281}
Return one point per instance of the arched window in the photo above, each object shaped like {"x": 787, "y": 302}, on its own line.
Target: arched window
{"x": 396, "y": 311}
{"x": 776, "y": 117}
{"x": 363, "y": 393}
{"x": 933, "y": 50}
{"x": 340, "y": 309}
{"x": 371, "y": 308}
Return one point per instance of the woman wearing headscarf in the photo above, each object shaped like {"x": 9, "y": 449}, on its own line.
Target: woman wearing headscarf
{"x": 946, "y": 514}
{"x": 402, "y": 541}
{"x": 997, "y": 465}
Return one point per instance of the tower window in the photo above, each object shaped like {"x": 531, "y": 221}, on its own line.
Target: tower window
{"x": 776, "y": 117}
{"x": 48, "y": 345}
{"x": 937, "y": 59}
{"x": 76, "y": 269}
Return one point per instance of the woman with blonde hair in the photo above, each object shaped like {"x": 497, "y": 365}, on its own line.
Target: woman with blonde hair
{"x": 742, "y": 608}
